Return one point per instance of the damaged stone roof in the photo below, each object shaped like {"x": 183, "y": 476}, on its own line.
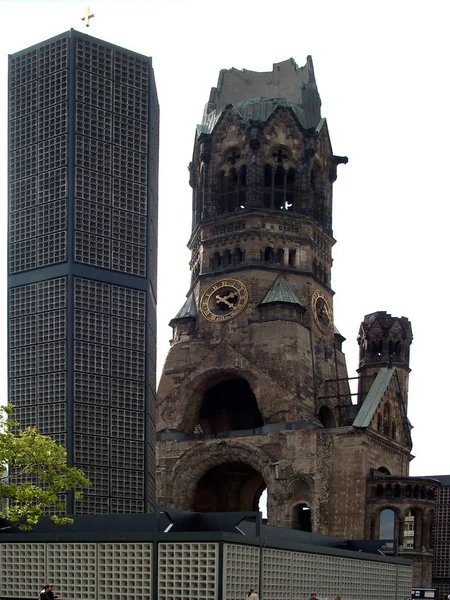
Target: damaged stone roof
{"x": 257, "y": 95}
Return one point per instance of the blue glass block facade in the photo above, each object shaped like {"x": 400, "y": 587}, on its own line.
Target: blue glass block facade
{"x": 83, "y": 160}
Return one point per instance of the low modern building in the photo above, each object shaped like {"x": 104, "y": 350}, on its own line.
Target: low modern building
{"x": 175, "y": 555}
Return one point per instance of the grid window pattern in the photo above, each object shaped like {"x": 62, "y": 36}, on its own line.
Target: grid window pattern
{"x": 130, "y": 70}
{"x": 22, "y": 391}
{"x": 91, "y": 389}
{"x": 94, "y": 122}
{"x": 131, "y": 102}
{"x": 127, "y": 394}
{"x": 91, "y": 419}
{"x": 126, "y": 506}
{"x": 92, "y": 250}
{"x": 93, "y": 154}
{"x": 187, "y": 570}
{"x": 52, "y": 121}
{"x": 74, "y": 567}
{"x": 93, "y": 450}
{"x": 92, "y": 505}
{"x": 125, "y": 453}
{"x": 94, "y": 58}
{"x": 52, "y": 153}
{"x": 130, "y": 196}
{"x": 126, "y": 333}
{"x": 51, "y": 387}
{"x": 52, "y": 185}
{"x": 241, "y": 570}
{"x": 53, "y": 89}
{"x": 23, "y": 100}
{"x": 94, "y": 90}
{"x": 51, "y": 418}
{"x": 130, "y": 134}
{"x": 23, "y": 131}
{"x": 126, "y": 482}
{"x": 53, "y": 56}
{"x": 277, "y": 569}
{"x": 110, "y": 133}
{"x": 37, "y": 344}
{"x": 23, "y": 581}
{"x": 23, "y": 68}
{"x": 93, "y": 218}
{"x": 93, "y": 186}
{"x": 129, "y": 227}
{"x": 127, "y": 424}
{"x": 129, "y": 258}
{"x": 441, "y": 564}
{"x": 22, "y": 194}
{"x": 125, "y": 566}
{"x": 99, "y": 477}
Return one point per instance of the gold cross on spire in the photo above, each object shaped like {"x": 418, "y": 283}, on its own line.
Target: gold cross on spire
{"x": 87, "y": 15}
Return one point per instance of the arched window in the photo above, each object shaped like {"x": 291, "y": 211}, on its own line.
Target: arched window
{"x": 386, "y": 419}
{"x": 379, "y": 422}
{"x": 292, "y": 255}
{"x": 268, "y": 186}
{"x": 394, "y": 431}
{"x": 237, "y": 256}
{"x": 216, "y": 261}
{"x": 268, "y": 254}
{"x": 384, "y": 470}
{"x": 290, "y": 190}
{"x": 279, "y": 181}
{"x": 394, "y": 347}
{"x": 387, "y": 524}
{"x": 279, "y": 257}
{"x": 232, "y": 189}
{"x": 226, "y": 260}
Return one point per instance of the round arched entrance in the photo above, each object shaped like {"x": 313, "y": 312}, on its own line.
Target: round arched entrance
{"x": 230, "y": 486}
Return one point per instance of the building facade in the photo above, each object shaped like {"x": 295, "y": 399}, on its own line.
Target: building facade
{"x": 254, "y": 393}
{"x": 83, "y": 159}
{"x": 441, "y": 563}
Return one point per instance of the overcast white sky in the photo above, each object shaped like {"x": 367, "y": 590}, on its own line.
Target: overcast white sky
{"x": 383, "y": 76}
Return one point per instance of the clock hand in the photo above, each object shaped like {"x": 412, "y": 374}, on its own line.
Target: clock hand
{"x": 224, "y": 299}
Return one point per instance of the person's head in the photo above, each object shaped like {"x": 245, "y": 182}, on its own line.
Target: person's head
{"x": 313, "y": 595}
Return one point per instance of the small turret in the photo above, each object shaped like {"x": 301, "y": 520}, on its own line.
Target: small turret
{"x": 384, "y": 341}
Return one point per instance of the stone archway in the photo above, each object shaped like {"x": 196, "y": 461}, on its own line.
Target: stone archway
{"x": 221, "y": 473}
{"x": 230, "y": 486}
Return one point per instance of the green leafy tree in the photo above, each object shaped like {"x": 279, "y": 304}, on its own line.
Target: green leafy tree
{"x": 33, "y": 475}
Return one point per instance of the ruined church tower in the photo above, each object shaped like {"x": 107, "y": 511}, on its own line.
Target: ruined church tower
{"x": 254, "y": 393}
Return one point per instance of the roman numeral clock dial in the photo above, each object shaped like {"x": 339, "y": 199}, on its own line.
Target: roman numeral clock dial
{"x": 223, "y": 300}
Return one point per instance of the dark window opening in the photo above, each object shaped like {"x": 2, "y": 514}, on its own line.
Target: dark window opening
{"x": 229, "y": 406}
{"x": 302, "y": 517}
{"x": 238, "y": 256}
{"x": 232, "y": 190}
{"x": 279, "y": 257}
{"x": 326, "y": 417}
{"x": 292, "y": 255}
{"x": 216, "y": 261}
{"x": 269, "y": 255}
{"x": 226, "y": 260}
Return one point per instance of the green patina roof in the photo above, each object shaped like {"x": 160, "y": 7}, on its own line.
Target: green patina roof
{"x": 189, "y": 309}
{"x": 374, "y": 397}
{"x": 280, "y": 291}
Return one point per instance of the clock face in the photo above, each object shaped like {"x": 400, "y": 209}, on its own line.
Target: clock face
{"x": 322, "y": 311}
{"x": 223, "y": 300}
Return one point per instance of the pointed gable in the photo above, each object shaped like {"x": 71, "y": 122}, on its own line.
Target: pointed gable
{"x": 281, "y": 291}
